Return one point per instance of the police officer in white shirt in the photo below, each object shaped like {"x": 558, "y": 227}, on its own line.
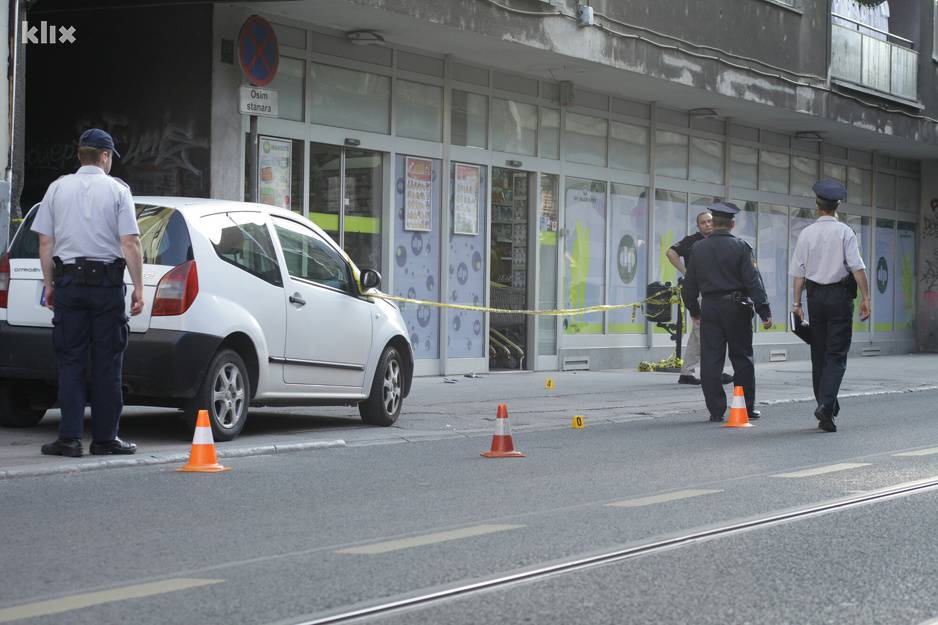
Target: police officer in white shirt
{"x": 88, "y": 234}
{"x": 827, "y": 261}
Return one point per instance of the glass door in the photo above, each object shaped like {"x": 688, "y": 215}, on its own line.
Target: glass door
{"x": 508, "y": 283}
{"x": 346, "y": 191}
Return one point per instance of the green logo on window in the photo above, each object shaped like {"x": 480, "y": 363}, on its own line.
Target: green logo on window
{"x": 882, "y": 275}
{"x": 627, "y": 259}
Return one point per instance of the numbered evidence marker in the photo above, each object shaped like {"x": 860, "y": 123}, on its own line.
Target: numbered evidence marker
{"x": 549, "y": 384}
{"x": 577, "y": 422}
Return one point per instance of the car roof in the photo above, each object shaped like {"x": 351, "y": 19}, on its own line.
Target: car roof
{"x": 194, "y": 207}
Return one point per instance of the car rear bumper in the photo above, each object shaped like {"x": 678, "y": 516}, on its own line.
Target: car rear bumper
{"x": 163, "y": 367}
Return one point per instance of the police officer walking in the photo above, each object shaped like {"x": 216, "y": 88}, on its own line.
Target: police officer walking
{"x": 730, "y": 287}
{"x": 88, "y": 234}
{"x": 827, "y": 261}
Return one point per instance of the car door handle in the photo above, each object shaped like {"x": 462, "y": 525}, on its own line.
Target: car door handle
{"x": 296, "y": 299}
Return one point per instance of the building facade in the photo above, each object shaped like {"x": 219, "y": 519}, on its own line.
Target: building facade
{"x": 532, "y": 155}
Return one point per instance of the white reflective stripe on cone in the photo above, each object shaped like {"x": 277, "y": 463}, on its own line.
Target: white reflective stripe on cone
{"x": 502, "y": 428}
{"x": 203, "y": 436}
{"x": 739, "y": 401}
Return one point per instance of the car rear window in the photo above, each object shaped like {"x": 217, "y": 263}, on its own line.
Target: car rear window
{"x": 26, "y": 242}
{"x": 164, "y": 236}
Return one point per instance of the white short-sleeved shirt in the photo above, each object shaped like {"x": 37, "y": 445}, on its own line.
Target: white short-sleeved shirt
{"x": 87, "y": 213}
{"x": 826, "y": 252}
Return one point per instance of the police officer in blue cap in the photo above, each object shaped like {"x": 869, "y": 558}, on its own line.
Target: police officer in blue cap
{"x": 731, "y": 288}
{"x": 827, "y": 261}
{"x": 88, "y": 234}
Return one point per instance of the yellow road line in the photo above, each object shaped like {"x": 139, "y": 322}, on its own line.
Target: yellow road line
{"x": 88, "y": 599}
{"x": 653, "y": 499}
{"x": 428, "y": 539}
{"x": 920, "y": 452}
{"x": 832, "y": 468}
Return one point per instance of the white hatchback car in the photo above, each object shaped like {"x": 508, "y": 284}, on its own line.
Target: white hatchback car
{"x": 246, "y": 305}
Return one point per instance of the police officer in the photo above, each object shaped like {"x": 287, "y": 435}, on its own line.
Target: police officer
{"x": 730, "y": 287}
{"x": 679, "y": 255}
{"x": 88, "y": 233}
{"x": 827, "y": 260}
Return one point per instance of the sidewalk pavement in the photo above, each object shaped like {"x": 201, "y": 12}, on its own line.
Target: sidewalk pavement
{"x": 461, "y": 406}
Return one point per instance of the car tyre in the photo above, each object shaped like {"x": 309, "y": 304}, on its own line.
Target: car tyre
{"x": 17, "y": 408}
{"x": 226, "y": 395}
{"x": 384, "y": 403}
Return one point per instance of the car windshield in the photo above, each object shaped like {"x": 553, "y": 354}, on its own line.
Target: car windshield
{"x": 164, "y": 236}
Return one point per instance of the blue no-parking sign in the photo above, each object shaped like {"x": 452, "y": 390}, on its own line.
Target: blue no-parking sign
{"x": 258, "y": 51}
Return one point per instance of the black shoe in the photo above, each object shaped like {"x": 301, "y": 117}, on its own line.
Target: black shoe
{"x": 70, "y": 447}
{"x": 726, "y": 378}
{"x": 825, "y": 419}
{"x": 716, "y": 418}
{"x": 116, "y": 446}
{"x": 755, "y": 414}
{"x": 688, "y": 379}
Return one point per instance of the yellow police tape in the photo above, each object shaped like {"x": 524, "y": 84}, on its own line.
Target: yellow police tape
{"x": 560, "y": 312}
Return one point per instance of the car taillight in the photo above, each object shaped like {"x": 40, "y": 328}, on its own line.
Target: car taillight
{"x": 176, "y": 290}
{"x": 4, "y": 280}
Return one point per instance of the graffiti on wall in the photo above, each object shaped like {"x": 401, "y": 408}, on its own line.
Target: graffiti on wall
{"x": 930, "y": 268}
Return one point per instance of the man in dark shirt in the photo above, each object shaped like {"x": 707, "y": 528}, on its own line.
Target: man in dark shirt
{"x": 679, "y": 255}
{"x": 730, "y": 287}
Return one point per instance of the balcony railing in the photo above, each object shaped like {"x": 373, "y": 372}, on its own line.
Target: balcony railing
{"x": 874, "y": 59}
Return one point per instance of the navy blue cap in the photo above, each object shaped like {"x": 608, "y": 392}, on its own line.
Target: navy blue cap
{"x": 97, "y": 138}
{"x": 724, "y": 209}
{"x": 830, "y": 190}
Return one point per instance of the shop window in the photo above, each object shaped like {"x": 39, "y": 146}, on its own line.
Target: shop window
{"x": 470, "y": 118}
{"x": 861, "y": 227}
{"x": 746, "y": 220}
{"x": 514, "y": 127}
{"x": 585, "y": 139}
{"x": 883, "y": 275}
{"x": 417, "y": 250}
{"x": 670, "y": 154}
{"x": 907, "y": 194}
{"x": 350, "y": 99}
{"x": 773, "y": 171}
{"x": 550, "y": 134}
{"x": 584, "y": 253}
{"x": 547, "y": 227}
{"x": 279, "y": 172}
{"x": 289, "y": 83}
{"x": 859, "y": 186}
{"x": 628, "y": 255}
{"x": 670, "y": 227}
{"x": 744, "y": 165}
{"x": 772, "y": 258}
{"x": 905, "y": 275}
{"x": 418, "y": 111}
{"x": 628, "y": 147}
{"x": 834, "y": 171}
{"x": 800, "y": 219}
{"x": 706, "y": 160}
{"x": 467, "y": 250}
{"x": 886, "y": 191}
{"x": 803, "y": 175}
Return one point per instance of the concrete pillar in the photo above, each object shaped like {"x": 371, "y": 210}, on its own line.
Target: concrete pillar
{"x": 927, "y": 313}
{"x": 227, "y": 146}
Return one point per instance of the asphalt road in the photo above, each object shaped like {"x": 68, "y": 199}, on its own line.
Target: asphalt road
{"x": 292, "y": 538}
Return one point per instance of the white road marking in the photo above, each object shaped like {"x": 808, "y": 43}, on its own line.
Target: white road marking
{"x": 832, "y": 468}
{"x": 88, "y": 599}
{"x": 428, "y": 539}
{"x": 921, "y": 452}
{"x": 653, "y": 499}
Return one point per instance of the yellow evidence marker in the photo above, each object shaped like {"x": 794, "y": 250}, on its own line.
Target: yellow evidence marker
{"x": 577, "y": 422}
{"x": 549, "y": 384}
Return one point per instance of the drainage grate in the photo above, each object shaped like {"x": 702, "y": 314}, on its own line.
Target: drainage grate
{"x": 870, "y": 351}
{"x": 778, "y": 355}
{"x": 576, "y": 363}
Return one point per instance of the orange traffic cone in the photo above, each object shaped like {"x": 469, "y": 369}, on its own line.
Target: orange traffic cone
{"x": 739, "y": 416}
{"x": 502, "y": 445}
{"x": 202, "y": 457}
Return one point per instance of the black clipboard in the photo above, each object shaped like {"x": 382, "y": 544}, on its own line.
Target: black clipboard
{"x": 800, "y": 327}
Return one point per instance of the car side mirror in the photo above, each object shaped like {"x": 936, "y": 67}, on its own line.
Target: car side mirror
{"x": 370, "y": 279}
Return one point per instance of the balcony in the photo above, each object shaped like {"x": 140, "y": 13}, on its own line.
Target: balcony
{"x": 873, "y": 59}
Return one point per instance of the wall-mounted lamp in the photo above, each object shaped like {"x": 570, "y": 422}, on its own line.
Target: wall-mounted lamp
{"x": 365, "y": 38}
{"x": 354, "y": 143}
{"x": 703, "y": 112}
{"x": 809, "y": 135}
{"x": 515, "y": 164}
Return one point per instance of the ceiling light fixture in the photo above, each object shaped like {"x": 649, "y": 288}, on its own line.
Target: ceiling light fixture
{"x": 703, "y": 112}
{"x": 809, "y": 135}
{"x": 365, "y": 38}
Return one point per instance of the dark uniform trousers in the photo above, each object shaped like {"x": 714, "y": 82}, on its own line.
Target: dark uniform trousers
{"x": 95, "y": 317}
{"x": 830, "y": 312}
{"x": 723, "y": 323}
